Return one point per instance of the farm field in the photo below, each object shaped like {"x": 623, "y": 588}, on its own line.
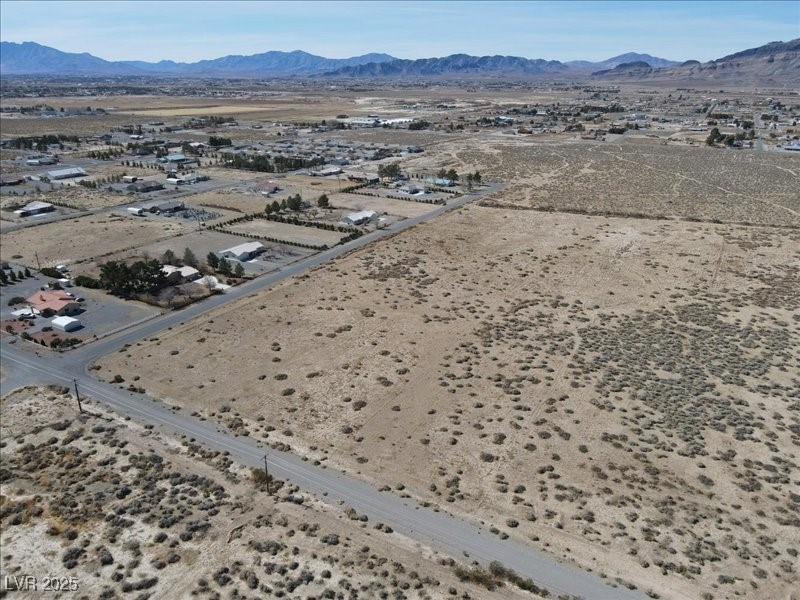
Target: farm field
{"x": 554, "y": 373}
{"x": 151, "y": 513}
{"x": 261, "y": 228}
{"x": 87, "y": 238}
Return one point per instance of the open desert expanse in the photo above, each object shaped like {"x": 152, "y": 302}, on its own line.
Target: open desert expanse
{"x": 639, "y": 177}
{"x": 122, "y": 510}
{"x": 621, "y": 392}
{"x": 599, "y": 360}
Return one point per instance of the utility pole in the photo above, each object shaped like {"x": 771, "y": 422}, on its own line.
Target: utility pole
{"x": 78, "y": 396}
{"x": 38, "y": 264}
{"x": 266, "y": 472}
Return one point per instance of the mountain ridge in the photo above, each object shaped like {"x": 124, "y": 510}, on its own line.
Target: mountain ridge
{"x": 30, "y": 58}
{"x": 772, "y": 63}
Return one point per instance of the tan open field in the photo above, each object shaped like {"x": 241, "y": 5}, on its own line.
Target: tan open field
{"x": 318, "y": 185}
{"x": 616, "y": 390}
{"x": 261, "y": 228}
{"x": 87, "y": 238}
{"x": 640, "y": 177}
{"x": 398, "y": 208}
{"x": 120, "y": 509}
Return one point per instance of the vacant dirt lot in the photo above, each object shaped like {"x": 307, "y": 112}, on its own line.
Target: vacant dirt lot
{"x": 398, "y": 208}
{"x": 261, "y": 228}
{"x": 619, "y": 391}
{"x": 642, "y": 177}
{"x": 86, "y": 238}
{"x": 122, "y": 510}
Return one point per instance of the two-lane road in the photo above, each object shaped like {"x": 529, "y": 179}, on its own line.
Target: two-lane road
{"x": 447, "y": 534}
{"x": 455, "y": 537}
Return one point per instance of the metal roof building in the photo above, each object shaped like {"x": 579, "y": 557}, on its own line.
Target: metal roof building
{"x": 66, "y": 173}
{"x": 66, "y": 323}
{"x": 359, "y": 218}
{"x": 244, "y": 251}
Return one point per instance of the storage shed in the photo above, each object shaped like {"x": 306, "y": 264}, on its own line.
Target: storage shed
{"x": 66, "y": 323}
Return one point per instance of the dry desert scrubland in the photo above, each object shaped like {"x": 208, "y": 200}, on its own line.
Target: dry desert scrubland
{"x": 622, "y": 392}
{"x": 637, "y": 177}
{"x": 130, "y": 514}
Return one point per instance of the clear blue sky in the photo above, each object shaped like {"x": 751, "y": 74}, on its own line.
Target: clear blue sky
{"x": 190, "y": 31}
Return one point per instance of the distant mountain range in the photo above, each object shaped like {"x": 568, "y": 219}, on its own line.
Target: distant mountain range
{"x": 774, "y": 63}
{"x": 455, "y": 64}
{"x": 29, "y": 58}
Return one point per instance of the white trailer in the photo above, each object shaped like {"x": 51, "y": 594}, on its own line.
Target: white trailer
{"x": 135, "y": 210}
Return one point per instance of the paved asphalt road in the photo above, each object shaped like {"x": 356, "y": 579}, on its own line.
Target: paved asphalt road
{"x": 455, "y": 537}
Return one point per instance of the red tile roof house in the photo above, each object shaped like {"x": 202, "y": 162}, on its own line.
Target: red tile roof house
{"x": 55, "y": 300}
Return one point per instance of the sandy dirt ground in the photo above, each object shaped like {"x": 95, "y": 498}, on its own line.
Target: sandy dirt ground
{"x": 261, "y": 228}
{"x": 87, "y": 238}
{"x": 616, "y": 391}
{"x": 399, "y": 208}
{"x": 639, "y": 177}
{"x": 122, "y": 510}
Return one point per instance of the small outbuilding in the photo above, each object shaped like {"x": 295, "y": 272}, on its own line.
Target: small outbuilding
{"x": 66, "y": 323}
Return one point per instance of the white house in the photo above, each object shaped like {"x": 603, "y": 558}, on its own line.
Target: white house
{"x": 243, "y": 252}
{"x": 359, "y": 218}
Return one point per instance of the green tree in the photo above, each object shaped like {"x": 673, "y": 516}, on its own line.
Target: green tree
{"x": 452, "y": 175}
{"x": 169, "y": 258}
{"x": 238, "y": 270}
{"x": 223, "y": 266}
{"x": 12, "y": 276}
{"x": 390, "y": 171}
{"x": 20, "y": 275}
{"x": 27, "y": 272}
{"x": 323, "y": 201}
{"x": 276, "y": 207}
{"x": 212, "y": 260}
{"x": 294, "y": 203}
{"x": 3, "y": 277}
{"x": 713, "y": 137}
{"x": 189, "y": 258}
{"x": 476, "y": 177}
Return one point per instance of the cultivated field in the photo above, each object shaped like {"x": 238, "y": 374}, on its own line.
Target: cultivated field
{"x": 124, "y": 511}
{"x": 618, "y": 391}
{"x": 86, "y": 238}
